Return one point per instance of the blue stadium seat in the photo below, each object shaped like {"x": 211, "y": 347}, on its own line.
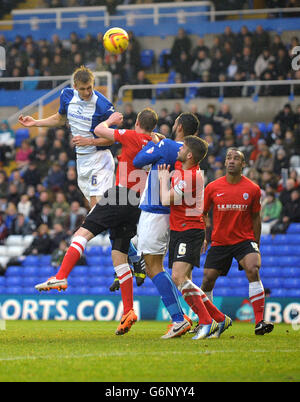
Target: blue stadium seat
{"x": 106, "y": 251}
{"x": 147, "y": 58}
{"x": 45, "y": 260}
{"x": 272, "y": 283}
{"x": 80, "y": 270}
{"x": 292, "y": 238}
{"x": 222, "y": 292}
{"x": 14, "y": 271}
{"x": 291, "y": 283}
{"x": 28, "y": 281}
{"x": 14, "y": 281}
{"x": 238, "y": 128}
{"x": 2, "y": 289}
{"x": 165, "y": 55}
{"x": 78, "y": 281}
{"x": 269, "y": 261}
{"x": 239, "y": 281}
{"x": 267, "y": 250}
{"x": 263, "y": 127}
{"x": 291, "y": 272}
{"x": 94, "y": 251}
{"x": 2, "y": 281}
{"x": 29, "y": 290}
{"x": 78, "y": 290}
{"x": 13, "y": 290}
{"x": 288, "y": 261}
{"x": 31, "y": 271}
{"x": 47, "y": 271}
{"x": 21, "y": 134}
{"x": 294, "y": 293}
{"x": 96, "y": 281}
{"x": 279, "y": 292}
{"x": 242, "y": 291}
{"x": 269, "y": 272}
{"x": 31, "y": 260}
{"x": 94, "y": 260}
{"x": 294, "y": 228}
{"x": 95, "y": 270}
{"x": 98, "y": 290}
{"x": 266, "y": 239}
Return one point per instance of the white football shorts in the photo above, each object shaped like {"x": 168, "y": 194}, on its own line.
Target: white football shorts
{"x": 95, "y": 172}
{"x": 153, "y": 233}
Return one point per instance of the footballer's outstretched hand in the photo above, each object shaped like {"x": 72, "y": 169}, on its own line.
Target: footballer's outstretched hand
{"x": 27, "y": 121}
{"x": 163, "y": 171}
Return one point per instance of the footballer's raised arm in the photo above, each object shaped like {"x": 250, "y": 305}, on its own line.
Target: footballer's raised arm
{"x": 103, "y": 129}
{"x": 56, "y": 120}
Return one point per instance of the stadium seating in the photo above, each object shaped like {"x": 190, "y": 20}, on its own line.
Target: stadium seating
{"x": 280, "y": 272}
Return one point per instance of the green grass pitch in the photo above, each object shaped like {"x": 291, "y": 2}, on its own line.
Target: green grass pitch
{"x": 77, "y": 351}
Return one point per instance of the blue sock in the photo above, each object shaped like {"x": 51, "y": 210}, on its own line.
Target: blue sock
{"x": 163, "y": 283}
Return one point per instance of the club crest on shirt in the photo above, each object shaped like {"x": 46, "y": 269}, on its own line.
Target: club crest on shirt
{"x": 150, "y": 150}
{"x": 245, "y": 196}
{"x": 121, "y": 132}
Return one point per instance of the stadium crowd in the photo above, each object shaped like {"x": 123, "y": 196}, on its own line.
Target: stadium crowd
{"x": 40, "y": 195}
{"x": 241, "y": 56}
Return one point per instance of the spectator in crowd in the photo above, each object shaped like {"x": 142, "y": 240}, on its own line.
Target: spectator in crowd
{"x": 74, "y": 218}
{"x": 41, "y": 243}
{"x": 182, "y": 43}
{"x": 202, "y": 63}
{"x": 142, "y": 80}
{"x": 60, "y": 202}
{"x": 3, "y": 228}
{"x": 58, "y": 234}
{"x": 45, "y": 217}
{"x": 22, "y": 226}
{"x": 56, "y": 177}
{"x": 290, "y": 214}
{"x": 24, "y": 205}
{"x": 23, "y": 155}
{"x": 271, "y": 209}
{"x": 129, "y": 117}
{"x": 265, "y": 160}
{"x": 32, "y": 176}
{"x": 285, "y": 117}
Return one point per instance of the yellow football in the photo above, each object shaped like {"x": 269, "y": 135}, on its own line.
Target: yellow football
{"x": 116, "y": 40}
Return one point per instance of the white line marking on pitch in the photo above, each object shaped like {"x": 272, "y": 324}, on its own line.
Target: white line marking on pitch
{"x": 92, "y": 355}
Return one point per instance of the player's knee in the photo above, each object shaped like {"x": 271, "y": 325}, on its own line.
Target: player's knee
{"x": 208, "y": 283}
{"x": 177, "y": 278}
{"x": 252, "y": 272}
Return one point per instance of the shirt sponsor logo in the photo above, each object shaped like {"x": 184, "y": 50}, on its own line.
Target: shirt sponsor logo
{"x": 232, "y": 207}
{"x": 77, "y": 116}
{"x": 121, "y": 132}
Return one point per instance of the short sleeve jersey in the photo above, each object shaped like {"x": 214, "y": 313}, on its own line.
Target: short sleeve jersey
{"x": 233, "y": 207}
{"x": 83, "y": 116}
{"x": 186, "y": 214}
{"x": 127, "y": 175}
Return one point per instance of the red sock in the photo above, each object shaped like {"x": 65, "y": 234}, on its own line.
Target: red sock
{"x": 257, "y": 298}
{"x": 192, "y": 295}
{"x": 71, "y": 257}
{"x": 126, "y": 285}
{"x": 216, "y": 314}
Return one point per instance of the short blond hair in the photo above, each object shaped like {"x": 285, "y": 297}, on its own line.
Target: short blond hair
{"x": 83, "y": 74}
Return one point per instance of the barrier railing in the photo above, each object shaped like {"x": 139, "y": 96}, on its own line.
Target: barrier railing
{"x": 127, "y": 14}
{"x": 221, "y": 85}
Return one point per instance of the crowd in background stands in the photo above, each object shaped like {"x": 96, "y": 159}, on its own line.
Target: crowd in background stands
{"x": 241, "y": 56}
{"x": 41, "y": 195}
